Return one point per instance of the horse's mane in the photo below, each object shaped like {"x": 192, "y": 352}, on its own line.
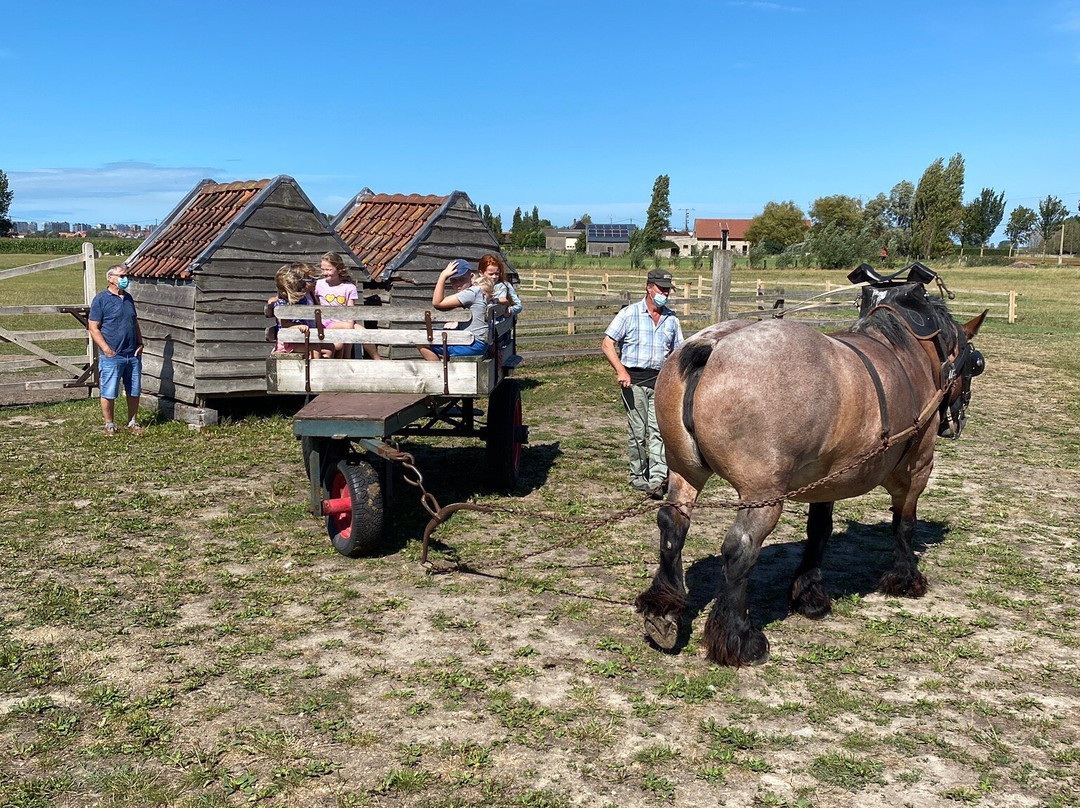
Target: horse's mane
{"x": 885, "y": 322}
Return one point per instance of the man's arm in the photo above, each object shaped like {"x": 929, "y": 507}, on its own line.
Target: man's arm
{"x": 611, "y": 353}
{"x": 99, "y": 339}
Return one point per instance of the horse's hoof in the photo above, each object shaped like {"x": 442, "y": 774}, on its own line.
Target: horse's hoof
{"x": 903, "y": 583}
{"x": 662, "y": 629}
{"x": 755, "y": 650}
{"x": 809, "y": 598}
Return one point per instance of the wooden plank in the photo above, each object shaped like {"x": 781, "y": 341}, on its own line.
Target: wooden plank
{"x": 286, "y": 221}
{"x": 7, "y": 311}
{"x": 161, "y": 293}
{"x": 30, "y": 269}
{"x": 360, "y": 415}
{"x": 46, "y": 336}
{"x": 207, "y": 351}
{"x": 255, "y": 386}
{"x": 171, "y": 350}
{"x": 10, "y": 364}
{"x": 466, "y": 377}
{"x": 230, "y": 368}
{"x": 379, "y": 336}
{"x": 51, "y": 358}
{"x": 382, "y": 314}
{"x": 287, "y": 195}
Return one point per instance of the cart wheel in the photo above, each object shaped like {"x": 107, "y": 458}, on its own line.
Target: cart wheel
{"x": 505, "y": 435}
{"x": 354, "y": 508}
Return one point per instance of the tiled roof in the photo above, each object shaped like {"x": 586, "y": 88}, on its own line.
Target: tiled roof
{"x": 711, "y": 229}
{"x": 380, "y": 226}
{"x": 213, "y": 206}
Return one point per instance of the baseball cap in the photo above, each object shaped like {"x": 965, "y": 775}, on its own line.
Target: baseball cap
{"x": 462, "y": 269}
{"x": 661, "y": 277}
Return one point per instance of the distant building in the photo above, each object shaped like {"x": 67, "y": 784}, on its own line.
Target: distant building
{"x": 722, "y": 234}
{"x": 608, "y": 239}
{"x": 563, "y": 238}
{"x": 684, "y": 241}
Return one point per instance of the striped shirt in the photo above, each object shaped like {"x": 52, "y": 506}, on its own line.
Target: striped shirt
{"x": 642, "y": 343}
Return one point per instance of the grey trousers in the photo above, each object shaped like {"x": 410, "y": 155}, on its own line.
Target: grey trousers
{"x": 648, "y": 463}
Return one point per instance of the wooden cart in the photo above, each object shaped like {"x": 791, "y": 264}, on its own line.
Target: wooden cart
{"x": 360, "y": 404}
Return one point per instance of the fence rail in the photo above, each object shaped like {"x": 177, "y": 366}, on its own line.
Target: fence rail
{"x": 70, "y": 371}
{"x": 565, "y": 316}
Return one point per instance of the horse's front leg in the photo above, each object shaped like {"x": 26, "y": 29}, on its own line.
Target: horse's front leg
{"x": 730, "y": 639}
{"x": 808, "y": 596}
{"x": 905, "y": 487}
{"x": 664, "y": 602}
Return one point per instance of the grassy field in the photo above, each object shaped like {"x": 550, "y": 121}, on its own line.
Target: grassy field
{"x": 175, "y": 629}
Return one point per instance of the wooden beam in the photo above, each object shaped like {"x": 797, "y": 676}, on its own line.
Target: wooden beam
{"x": 51, "y": 358}
{"x": 30, "y": 269}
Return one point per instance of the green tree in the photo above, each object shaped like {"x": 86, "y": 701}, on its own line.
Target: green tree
{"x": 938, "y": 207}
{"x": 6, "y": 195}
{"x": 1052, "y": 213}
{"x": 657, "y": 220}
{"x": 901, "y": 202}
{"x": 981, "y": 218}
{"x": 494, "y": 223}
{"x": 845, "y": 212}
{"x": 1022, "y": 223}
{"x": 780, "y": 225}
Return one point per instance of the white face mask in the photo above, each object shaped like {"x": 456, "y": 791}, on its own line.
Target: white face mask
{"x": 659, "y": 299}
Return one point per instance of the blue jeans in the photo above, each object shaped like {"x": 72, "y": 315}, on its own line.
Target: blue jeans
{"x": 478, "y": 348}
{"x": 116, "y": 369}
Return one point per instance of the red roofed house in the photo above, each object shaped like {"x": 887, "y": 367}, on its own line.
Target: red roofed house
{"x": 722, "y": 234}
{"x": 405, "y": 241}
{"x": 201, "y": 282}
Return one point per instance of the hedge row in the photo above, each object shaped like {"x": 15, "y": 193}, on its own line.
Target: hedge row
{"x": 66, "y": 246}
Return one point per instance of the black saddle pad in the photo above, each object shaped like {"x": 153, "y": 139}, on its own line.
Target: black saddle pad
{"x": 910, "y": 301}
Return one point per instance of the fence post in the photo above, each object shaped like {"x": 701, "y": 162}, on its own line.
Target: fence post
{"x": 605, "y": 285}
{"x": 89, "y": 289}
{"x": 828, "y": 288}
{"x": 719, "y": 310}
{"x": 534, "y": 286}
{"x": 551, "y": 285}
{"x": 1012, "y": 306}
{"x": 570, "y": 312}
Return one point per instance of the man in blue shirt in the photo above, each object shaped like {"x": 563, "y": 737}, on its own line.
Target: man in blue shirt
{"x": 114, "y": 328}
{"x": 637, "y": 342}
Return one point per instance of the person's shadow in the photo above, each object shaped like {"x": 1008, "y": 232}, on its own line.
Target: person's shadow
{"x": 855, "y": 559}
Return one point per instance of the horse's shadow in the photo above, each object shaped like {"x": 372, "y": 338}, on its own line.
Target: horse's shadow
{"x": 855, "y": 560}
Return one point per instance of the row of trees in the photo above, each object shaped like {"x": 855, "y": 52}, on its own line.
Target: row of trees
{"x": 5, "y": 205}
{"x": 920, "y": 221}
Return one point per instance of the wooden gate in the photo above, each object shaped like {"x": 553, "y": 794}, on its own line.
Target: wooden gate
{"x": 72, "y": 371}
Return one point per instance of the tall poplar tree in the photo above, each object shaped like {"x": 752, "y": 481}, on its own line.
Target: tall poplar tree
{"x": 981, "y": 218}
{"x": 938, "y": 207}
{"x": 659, "y": 216}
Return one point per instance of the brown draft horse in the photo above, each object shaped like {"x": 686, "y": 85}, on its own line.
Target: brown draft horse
{"x": 782, "y": 411}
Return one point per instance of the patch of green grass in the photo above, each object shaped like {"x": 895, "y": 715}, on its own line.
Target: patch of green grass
{"x": 847, "y": 771}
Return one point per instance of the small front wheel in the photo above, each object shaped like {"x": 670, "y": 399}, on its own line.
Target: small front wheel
{"x": 353, "y": 508}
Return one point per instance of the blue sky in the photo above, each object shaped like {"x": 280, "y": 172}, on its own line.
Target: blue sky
{"x": 114, "y": 111}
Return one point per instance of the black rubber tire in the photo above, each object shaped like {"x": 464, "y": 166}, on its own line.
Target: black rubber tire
{"x": 358, "y": 532}
{"x": 503, "y": 435}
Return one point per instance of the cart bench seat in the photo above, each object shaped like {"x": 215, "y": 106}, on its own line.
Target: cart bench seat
{"x": 359, "y": 415}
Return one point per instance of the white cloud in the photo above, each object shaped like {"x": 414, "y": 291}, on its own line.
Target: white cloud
{"x": 127, "y": 192}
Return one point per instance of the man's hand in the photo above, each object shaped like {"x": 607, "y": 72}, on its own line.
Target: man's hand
{"x": 624, "y": 378}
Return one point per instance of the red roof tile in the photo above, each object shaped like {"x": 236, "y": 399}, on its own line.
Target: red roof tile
{"x": 171, "y": 252}
{"x": 711, "y": 229}
{"x": 381, "y": 226}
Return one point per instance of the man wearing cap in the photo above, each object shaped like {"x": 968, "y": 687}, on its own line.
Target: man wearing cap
{"x": 637, "y": 342}
{"x": 464, "y": 295}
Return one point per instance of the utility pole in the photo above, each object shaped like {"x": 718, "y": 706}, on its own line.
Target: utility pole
{"x": 686, "y": 218}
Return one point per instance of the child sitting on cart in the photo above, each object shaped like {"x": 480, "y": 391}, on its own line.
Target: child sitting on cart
{"x": 295, "y": 283}
{"x": 466, "y": 293}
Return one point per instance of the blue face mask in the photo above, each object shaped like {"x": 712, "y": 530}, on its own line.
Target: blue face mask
{"x": 660, "y": 299}
{"x": 122, "y": 283}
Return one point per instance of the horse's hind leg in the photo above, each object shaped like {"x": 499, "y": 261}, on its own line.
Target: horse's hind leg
{"x": 808, "y": 596}
{"x": 729, "y": 637}
{"x": 664, "y": 602}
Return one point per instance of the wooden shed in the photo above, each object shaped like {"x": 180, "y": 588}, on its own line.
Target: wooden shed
{"x": 405, "y": 241}
{"x": 201, "y": 281}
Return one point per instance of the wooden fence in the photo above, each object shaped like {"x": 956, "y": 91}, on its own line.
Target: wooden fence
{"x": 565, "y": 316}
{"x": 70, "y": 371}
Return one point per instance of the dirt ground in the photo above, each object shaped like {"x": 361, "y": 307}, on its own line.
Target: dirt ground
{"x": 215, "y": 651}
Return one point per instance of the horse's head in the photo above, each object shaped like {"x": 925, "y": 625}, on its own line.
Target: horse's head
{"x": 903, "y": 294}
{"x": 965, "y": 362}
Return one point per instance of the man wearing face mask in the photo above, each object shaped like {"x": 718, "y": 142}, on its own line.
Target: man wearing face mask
{"x": 114, "y": 328}
{"x": 637, "y": 342}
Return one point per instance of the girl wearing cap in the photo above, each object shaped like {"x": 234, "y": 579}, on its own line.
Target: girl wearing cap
{"x": 463, "y": 295}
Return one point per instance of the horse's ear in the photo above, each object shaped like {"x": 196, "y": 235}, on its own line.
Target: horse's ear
{"x": 972, "y": 326}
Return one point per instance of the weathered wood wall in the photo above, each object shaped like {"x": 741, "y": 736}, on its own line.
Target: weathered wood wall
{"x": 205, "y": 337}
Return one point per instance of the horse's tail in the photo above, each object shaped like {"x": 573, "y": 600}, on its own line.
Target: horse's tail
{"x": 692, "y": 360}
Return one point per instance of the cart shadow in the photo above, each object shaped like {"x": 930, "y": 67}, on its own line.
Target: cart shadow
{"x": 455, "y": 474}
{"x": 855, "y": 559}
